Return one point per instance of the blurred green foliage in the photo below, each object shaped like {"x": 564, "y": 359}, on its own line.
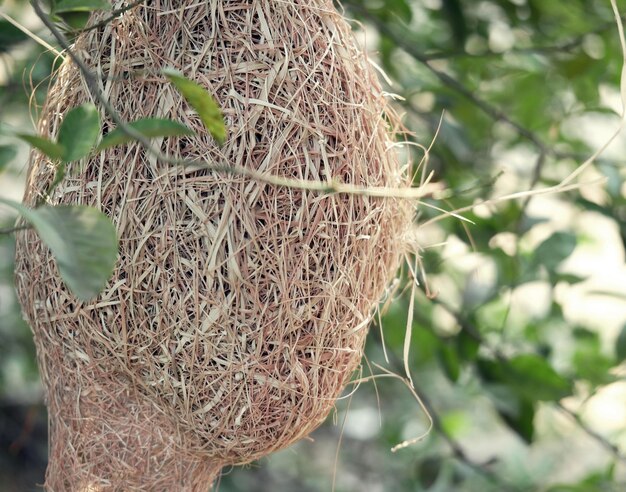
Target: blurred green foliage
{"x": 519, "y": 93}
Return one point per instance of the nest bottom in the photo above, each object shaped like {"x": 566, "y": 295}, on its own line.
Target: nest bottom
{"x": 124, "y": 442}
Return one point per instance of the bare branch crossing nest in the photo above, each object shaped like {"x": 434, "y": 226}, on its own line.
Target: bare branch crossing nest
{"x": 238, "y": 310}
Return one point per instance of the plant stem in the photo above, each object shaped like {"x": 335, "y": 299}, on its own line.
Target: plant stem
{"x": 11, "y": 230}
{"x": 113, "y": 16}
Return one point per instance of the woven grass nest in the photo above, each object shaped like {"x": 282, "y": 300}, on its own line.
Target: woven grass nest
{"x": 238, "y": 310}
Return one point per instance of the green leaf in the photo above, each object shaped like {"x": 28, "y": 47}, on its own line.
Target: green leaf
{"x": 59, "y": 176}
{"x": 79, "y": 132}
{"x": 522, "y": 419}
{"x": 568, "y": 278}
{"x": 428, "y": 471}
{"x": 467, "y": 346}
{"x": 148, "y": 127}
{"x": 536, "y": 378}
{"x": 455, "y": 422}
{"x": 597, "y": 481}
{"x": 589, "y": 361}
{"x": 392, "y": 8}
{"x": 529, "y": 375}
{"x": 201, "y": 101}
{"x": 50, "y": 149}
{"x": 402, "y": 9}
{"x": 10, "y": 36}
{"x": 75, "y": 20}
{"x": 7, "y": 154}
{"x": 456, "y": 18}
{"x": 63, "y": 6}
{"x": 82, "y": 240}
{"x": 568, "y": 488}
{"x": 620, "y": 346}
{"x": 554, "y": 250}
{"x": 449, "y": 360}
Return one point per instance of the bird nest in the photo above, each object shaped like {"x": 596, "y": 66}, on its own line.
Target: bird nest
{"x": 238, "y": 310}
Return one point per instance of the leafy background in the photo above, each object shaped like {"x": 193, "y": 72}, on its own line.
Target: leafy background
{"x": 518, "y": 339}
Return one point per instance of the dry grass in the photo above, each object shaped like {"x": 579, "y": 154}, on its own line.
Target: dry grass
{"x": 238, "y": 310}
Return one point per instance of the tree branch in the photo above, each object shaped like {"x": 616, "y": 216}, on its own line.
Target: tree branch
{"x": 330, "y": 187}
{"x": 496, "y": 114}
{"x": 493, "y": 112}
{"x": 473, "y": 332}
{"x": 457, "y": 451}
{"x": 114, "y": 15}
{"x": 327, "y": 187}
{"x": 600, "y": 439}
{"x": 11, "y": 230}
{"x": 562, "y": 47}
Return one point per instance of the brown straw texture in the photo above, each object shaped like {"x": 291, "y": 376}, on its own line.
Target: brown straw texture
{"x": 238, "y": 310}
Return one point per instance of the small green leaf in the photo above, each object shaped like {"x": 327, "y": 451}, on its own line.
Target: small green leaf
{"x": 455, "y": 422}
{"x": 59, "y": 176}
{"x": 7, "y": 154}
{"x": 428, "y": 472}
{"x": 467, "y": 346}
{"x": 76, "y": 21}
{"x": 536, "y": 378}
{"x": 554, "y": 250}
{"x": 620, "y": 346}
{"x": 148, "y": 127}
{"x": 529, "y": 375}
{"x": 455, "y": 15}
{"x": 568, "y": 488}
{"x": 449, "y": 360}
{"x": 200, "y": 100}
{"x": 63, "y": 6}
{"x": 10, "y": 36}
{"x": 399, "y": 8}
{"x": 589, "y": 360}
{"x": 50, "y": 149}
{"x": 82, "y": 240}
{"x": 79, "y": 132}
{"x": 568, "y": 278}
{"x": 522, "y": 419}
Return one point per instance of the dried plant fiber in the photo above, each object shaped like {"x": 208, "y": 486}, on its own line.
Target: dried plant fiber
{"x": 238, "y": 310}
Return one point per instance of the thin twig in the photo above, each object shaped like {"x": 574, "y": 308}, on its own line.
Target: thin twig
{"x": 562, "y": 47}
{"x": 537, "y": 170}
{"x": 329, "y": 187}
{"x": 31, "y": 34}
{"x": 92, "y": 82}
{"x": 557, "y": 48}
{"x": 115, "y": 14}
{"x": 11, "y": 230}
{"x": 495, "y": 113}
{"x": 457, "y": 451}
{"x": 600, "y": 439}
{"x": 474, "y": 333}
